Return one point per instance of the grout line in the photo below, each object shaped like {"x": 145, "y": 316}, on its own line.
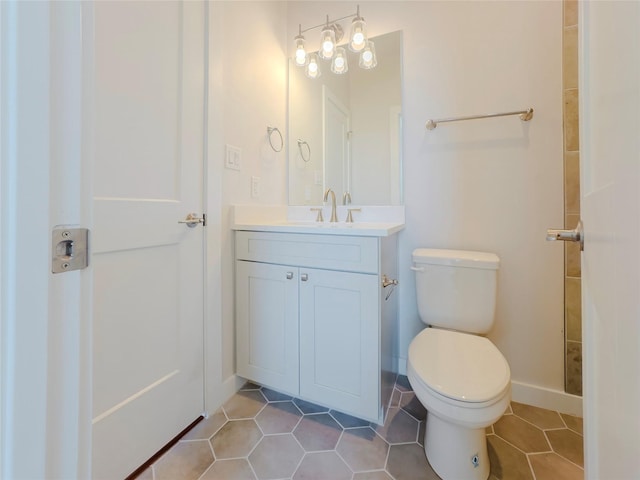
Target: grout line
{"x": 533, "y": 473}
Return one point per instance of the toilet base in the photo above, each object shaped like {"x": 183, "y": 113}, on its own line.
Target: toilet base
{"x": 454, "y": 452}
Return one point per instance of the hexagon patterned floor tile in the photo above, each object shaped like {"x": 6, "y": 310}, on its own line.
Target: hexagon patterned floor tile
{"x": 262, "y": 434}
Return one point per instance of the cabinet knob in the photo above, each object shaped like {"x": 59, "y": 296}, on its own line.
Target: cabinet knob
{"x": 304, "y": 277}
{"x": 289, "y": 275}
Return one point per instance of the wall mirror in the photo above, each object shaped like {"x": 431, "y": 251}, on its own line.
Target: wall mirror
{"x": 345, "y": 131}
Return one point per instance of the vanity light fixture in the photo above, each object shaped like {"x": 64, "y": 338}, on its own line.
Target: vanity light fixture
{"x": 339, "y": 63}
{"x": 368, "y": 58}
{"x": 301, "y": 53}
{"x": 312, "y": 69}
{"x": 358, "y": 35}
{"x": 328, "y": 40}
{"x": 331, "y": 35}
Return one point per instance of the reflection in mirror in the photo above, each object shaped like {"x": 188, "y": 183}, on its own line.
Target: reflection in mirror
{"x": 345, "y": 130}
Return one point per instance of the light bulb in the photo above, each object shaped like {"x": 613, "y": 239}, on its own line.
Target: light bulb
{"x": 368, "y": 56}
{"x": 328, "y": 43}
{"x": 301, "y": 54}
{"x": 339, "y": 63}
{"x": 301, "y": 57}
{"x": 358, "y": 37}
{"x": 313, "y": 69}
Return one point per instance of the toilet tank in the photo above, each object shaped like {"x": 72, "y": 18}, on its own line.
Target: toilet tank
{"x": 456, "y": 289}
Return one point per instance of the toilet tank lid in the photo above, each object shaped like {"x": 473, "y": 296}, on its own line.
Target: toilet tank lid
{"x": 456, "y": 258}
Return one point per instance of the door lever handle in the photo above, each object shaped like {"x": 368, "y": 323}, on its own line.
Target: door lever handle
{"x": 575, "y": 235}
{"x": 193, "y": 219}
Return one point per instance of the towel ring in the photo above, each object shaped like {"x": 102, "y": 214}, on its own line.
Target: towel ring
{"x": 270, "y": 130}
{"x": 300, "y": 144}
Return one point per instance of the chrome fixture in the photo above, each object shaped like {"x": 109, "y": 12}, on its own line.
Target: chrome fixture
{"x": 525, "y": 116}
{"x": 575, "y": 235}
{"x": 334, "y": 217}
{"x": 330, "y": 36}
{"x": 304, "y": 157}
{"x": 319, "y": 217}
{"x": 388, "y": 282}
{"x": 69, "y": 249}
{"x": 350, "y": 215}
{"x": 192, "y": 220}
{"x": 346, "y": 198}
{"x": 270, "y": 131}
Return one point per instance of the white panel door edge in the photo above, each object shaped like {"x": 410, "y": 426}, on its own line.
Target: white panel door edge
{"x": 148, "y": 142}
{"x": 610, "y": 187}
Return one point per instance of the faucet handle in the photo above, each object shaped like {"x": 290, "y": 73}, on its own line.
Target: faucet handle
{"x": 349, "y": 214}
{"x": 319, "y": 217}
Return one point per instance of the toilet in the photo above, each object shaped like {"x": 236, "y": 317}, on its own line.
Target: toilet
{"x": 459, "y": 376}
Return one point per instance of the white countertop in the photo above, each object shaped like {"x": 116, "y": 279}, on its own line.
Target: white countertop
{"x": 376, "y": 221}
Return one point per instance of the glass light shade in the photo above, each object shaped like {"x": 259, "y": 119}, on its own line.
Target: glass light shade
{"x": 358, "y": 37}
{"x": 301, "y": 54}
{"x": 327, "y": 43}
{"x": 368, "y": 58}
{"x": 339, "y": 63}
{"x": 312, "y": 69}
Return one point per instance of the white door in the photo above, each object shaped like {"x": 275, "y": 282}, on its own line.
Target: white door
{"x": 148, "y": 137}
{"x": 610, "y": 163}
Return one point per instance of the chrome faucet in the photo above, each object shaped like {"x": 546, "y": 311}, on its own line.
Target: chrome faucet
{"x": 346, "y": 198}
{"x": 334, "y": 217}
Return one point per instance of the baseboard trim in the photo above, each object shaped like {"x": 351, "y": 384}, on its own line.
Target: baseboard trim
{"x": 401, "y": 365}
{"x": 546, "y": 398}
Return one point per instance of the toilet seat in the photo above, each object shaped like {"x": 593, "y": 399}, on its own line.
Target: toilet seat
{"x": 460, "y": 367}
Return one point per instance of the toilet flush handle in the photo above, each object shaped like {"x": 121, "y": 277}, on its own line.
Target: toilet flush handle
{"x": 417, "y": 269}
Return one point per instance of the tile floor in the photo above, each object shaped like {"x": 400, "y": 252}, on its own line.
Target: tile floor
{"x": 262, "y": 434}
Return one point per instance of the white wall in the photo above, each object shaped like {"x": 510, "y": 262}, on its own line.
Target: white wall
{"x": 492, "y": 185}
{"x": 248, "y": 93}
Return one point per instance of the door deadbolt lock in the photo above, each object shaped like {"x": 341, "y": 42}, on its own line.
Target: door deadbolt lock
{"x": 69, "y": 249}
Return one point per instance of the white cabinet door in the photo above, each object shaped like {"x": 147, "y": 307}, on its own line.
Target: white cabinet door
{"x": 339, "y": 341}
{"x": 267, "y": 324}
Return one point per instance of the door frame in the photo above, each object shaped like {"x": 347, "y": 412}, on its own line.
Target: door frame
{"x": 45, "y": 409}
{"x": 45, "y": 329}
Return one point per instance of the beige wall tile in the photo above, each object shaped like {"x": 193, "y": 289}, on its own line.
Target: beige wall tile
{"x": 572, "y": 257}
{"x": 572, "y": 250}
{"x": 573, "y": 380}
{"x": 571, "y": 136}
{"x": 572, "y": 182}
{"x": 570, "y": 57}
{"x": 570, "y": 12}
{"x": 573, "y": 309}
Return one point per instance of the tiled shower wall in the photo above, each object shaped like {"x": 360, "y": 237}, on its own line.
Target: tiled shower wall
{"x": 572, "y": 295}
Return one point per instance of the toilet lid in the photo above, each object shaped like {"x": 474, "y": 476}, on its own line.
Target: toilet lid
{"x": 458, "y": 365}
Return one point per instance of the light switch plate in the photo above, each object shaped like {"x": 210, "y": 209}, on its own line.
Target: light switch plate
{"x": 233, "y": 157}
{"x": 255, "y": 186}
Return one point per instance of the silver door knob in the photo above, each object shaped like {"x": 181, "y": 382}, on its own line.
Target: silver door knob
{"x": 575, "y": 235}
{"x": 192, "y": 220}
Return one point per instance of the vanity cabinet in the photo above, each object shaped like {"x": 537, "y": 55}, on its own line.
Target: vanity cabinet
{"x": 309, "y": 318}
